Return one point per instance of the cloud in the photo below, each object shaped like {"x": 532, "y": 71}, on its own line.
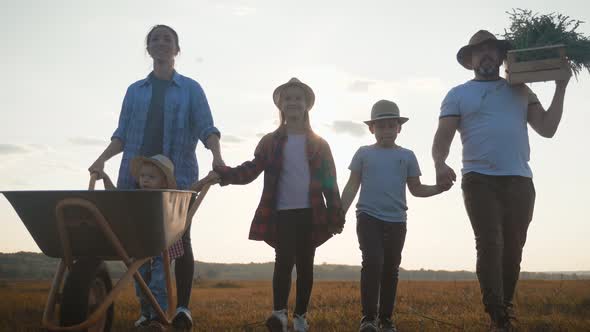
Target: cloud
{"x": 243, "y": 11}
{"x": 409, "y": 85}
{"x": 360, "y": 86}
{"x": 425, "y": 84}
{"x": 39, "y": 147}
{"x": 13, "y": 149}
{"x": 231, "y": 139}
{"x": 237, "y": 10}
{"x": 87, "y": 141}
{"x": 349, "y": 127}
{"x": 14, "y": 183}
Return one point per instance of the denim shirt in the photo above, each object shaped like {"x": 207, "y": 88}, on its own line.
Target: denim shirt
{"x": 187, "y": 119}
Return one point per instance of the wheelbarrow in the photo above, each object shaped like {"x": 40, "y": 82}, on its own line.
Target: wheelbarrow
{"x": 87, "y": 227}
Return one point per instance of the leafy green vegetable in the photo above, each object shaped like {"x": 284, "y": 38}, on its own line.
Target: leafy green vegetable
{"x": 528, "y": 29}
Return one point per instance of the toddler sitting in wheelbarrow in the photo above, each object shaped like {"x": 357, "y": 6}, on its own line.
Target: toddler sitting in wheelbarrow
{"x": 155, "y": 172}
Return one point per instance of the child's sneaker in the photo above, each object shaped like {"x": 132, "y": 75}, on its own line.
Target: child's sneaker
{"x": 386, "y": 325}
{"x": 153, "y": 326}
{"x": 182, "y": 320}
{"x": 368, "y": 324}
{"x": 142, "y": 321}
{"x": 300, "y": 323}
{"x": 277, "y": 322}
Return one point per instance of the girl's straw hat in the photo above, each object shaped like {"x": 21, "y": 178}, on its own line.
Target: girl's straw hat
{"x": 309, "y": 95}
{"x": 160, "y": 161}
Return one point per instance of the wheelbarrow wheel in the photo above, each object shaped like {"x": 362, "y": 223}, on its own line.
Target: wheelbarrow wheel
{"x": 85, "y": 288}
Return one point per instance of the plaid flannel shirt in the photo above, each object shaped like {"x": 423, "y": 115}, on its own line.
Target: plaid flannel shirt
{"x": 328, "y": 217}
{"x": 187, "y": 119}
{"x": 176, "y": 250}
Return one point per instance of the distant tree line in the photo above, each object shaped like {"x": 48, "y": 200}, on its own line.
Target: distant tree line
{"x": 36, "y": 266}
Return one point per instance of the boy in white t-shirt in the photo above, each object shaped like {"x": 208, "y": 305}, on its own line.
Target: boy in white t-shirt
{"x": 382, "y": 171}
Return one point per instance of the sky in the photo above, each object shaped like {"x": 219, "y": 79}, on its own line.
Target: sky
{"x": 67, "y": 65}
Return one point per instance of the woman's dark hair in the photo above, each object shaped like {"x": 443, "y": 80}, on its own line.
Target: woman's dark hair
{"x": 149, "y": 35}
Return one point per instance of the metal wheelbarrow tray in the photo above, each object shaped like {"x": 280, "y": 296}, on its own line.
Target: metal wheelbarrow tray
{"x": 145, "y": 222}
{"x": 86, "y": 227}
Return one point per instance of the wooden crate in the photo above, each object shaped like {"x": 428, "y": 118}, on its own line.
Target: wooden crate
{"x": 551, "y": 69}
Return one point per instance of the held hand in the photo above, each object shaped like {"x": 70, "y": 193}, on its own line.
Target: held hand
{"x": 218, "y": 162}
{"x": 211, "y": 178}
{"x": 100, "y": 175}
{"x": 337, "y": 230}
{"x": 97, "y": 167}
{"x": 445, "y": 176}
{"x": 444, "y": 187}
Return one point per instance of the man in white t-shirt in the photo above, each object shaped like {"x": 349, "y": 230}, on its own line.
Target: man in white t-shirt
{"x": 491, "y": 115}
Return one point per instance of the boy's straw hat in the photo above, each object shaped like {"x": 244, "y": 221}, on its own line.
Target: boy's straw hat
{"x": 309, "y": 95}
{"x": 480, "y": 37}
{"x": 160, "y": 161}
{"x": 385, "y": 109}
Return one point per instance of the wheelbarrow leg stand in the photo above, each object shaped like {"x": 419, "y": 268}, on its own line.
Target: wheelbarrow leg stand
{"x": 169, "y": 288}
{"x": 164, "y": 317}
{"x": 49, "y": 318}
{"x": 150, "y": 297}
{"x": 49, "y": 312}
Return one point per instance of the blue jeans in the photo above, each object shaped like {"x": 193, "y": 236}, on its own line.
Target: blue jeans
{"x": 152, "y": 273}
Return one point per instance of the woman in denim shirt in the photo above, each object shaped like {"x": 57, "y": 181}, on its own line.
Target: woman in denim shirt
{"x": 165, "y": 113}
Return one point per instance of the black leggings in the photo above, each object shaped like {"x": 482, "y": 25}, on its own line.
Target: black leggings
{"x": 184, "y": 268}
{"x": 294, "y": 247}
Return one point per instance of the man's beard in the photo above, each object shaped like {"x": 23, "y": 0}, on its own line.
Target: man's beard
{"x": 488, "y": 71}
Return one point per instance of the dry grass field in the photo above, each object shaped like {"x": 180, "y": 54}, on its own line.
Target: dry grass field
{"x": 422, "y": 306}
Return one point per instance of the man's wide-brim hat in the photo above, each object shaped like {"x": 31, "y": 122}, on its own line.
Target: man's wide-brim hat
{"x": 160, "y": 161}
{"x": 309, "y": 95}
{"x": 385, "y": 109}
{"x": 480, "y": 37}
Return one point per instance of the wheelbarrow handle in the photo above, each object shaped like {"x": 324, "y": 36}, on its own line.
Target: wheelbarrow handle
{"x": 193, "y": 208}
{"x": 92, "y": 183}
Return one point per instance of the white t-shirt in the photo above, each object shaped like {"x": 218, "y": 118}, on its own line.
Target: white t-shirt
{"x": 493, "y": 126}
{"x": 293, "y": 190}
{"x": 384, "y": 174}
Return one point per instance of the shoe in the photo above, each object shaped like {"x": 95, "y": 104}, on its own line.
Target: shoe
{"x": 182, "y": 320}
{"x": 496, "y": 328}
{"x": 368, "y": 325}
{"x": 277, "y": 321}
{"x": 142, "y": 321}
{"x": 500, "y": 322}
{"x": 153, "y": 326}
{"x": 300, "y": 323}
{"x": 511, "y": 320}
{"x": 506, "y": 326}
{"x": 386, "y": 325}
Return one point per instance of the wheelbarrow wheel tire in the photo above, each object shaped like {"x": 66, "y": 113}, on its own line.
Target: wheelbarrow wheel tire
{"x": 86, "y": 286}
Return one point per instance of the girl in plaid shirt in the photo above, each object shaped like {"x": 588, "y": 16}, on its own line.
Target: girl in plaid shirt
{"x": 299, "y": 174}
